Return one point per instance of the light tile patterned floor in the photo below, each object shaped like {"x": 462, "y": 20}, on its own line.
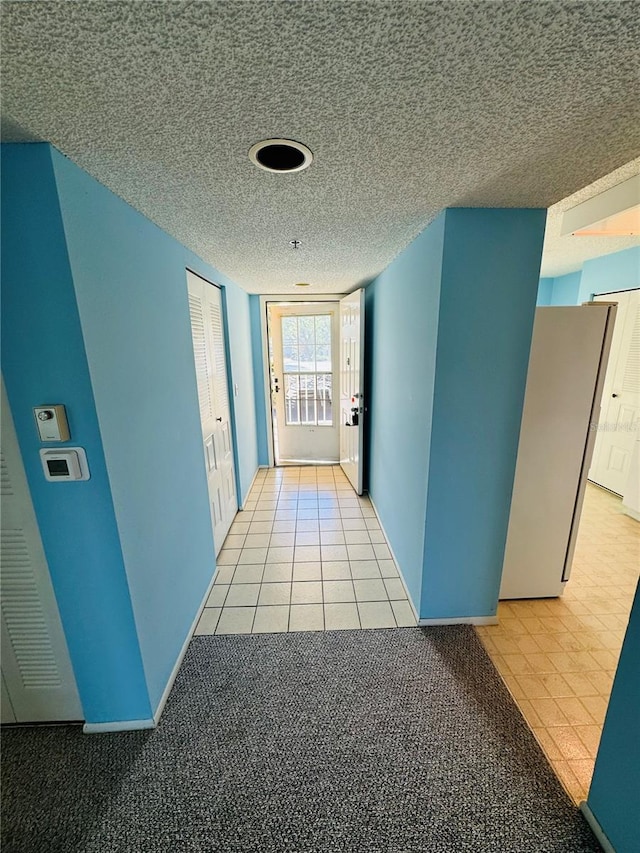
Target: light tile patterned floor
{"x": 306, "y": 554}
{"x": 558, "y": 656}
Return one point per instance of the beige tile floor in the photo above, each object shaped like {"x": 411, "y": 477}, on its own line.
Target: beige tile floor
{"x": 306, "y": 554}
{"x": 558, "y": 656}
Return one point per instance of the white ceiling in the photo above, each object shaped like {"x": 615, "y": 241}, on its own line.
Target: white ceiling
{"x": 408, "y": 106}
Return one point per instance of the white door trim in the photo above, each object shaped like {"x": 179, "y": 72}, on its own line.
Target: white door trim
{"x": 275, "y": 297}
{"x": 212, "y": 297}
{"x": 611, "y": 416}
{"x": 352, "y": 344}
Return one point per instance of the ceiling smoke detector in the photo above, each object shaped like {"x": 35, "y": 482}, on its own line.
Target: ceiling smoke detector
{"x": 280, "y": 155}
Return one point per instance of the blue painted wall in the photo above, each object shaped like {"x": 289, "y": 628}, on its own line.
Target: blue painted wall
{"x": 614, "y": 796}
{"x": 618, "y": 271}
{"x": 44, "y": 361}
{"x": 258, "y": 374}
{"x": 566, "y": 289}
{"x": 490, "y": 270}
{"x": 400, "y": 355}
{"x": 242, "y": 388}
{"x": 126, "y": 281}
{"x": 447, "y": 361}
{"x": 545, "y": 290}
{"x": 131, "y": 289}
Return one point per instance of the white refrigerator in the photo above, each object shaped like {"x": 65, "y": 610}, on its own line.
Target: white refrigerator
{"x": 567, "y": 364}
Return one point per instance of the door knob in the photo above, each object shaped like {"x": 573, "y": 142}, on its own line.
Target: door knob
{"x": 219, "y": 420}
{"x": 614, "y": 395}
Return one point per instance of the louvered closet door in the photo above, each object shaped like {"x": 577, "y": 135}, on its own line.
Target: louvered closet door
{"x": 37, "y": 678}
{"x": 205, "y": 308}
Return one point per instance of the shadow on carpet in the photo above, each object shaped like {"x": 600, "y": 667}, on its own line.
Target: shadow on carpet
{"x": 388, "y": 741}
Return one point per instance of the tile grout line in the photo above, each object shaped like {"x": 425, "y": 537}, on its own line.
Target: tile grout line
{"x": 309, "y": 489}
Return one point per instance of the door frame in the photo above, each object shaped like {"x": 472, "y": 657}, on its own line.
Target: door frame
{"x": 266, "y": 372}
{"x": 612, "y": 294}
{"x": 240, "y": 498}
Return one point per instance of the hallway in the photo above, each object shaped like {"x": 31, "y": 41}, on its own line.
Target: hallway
{"x": 558, "y": 656}
{"x": 308, "y": 554}
{"x": 305, "y": 554}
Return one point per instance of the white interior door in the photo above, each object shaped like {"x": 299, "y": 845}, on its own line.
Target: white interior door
{"x": 38, "y": 684}
{"x": 565, "y": 379}
{"x": 619, "y": 421}
{"x": 205, "y": 309}
{"x": 352, "y": 387}
{"x": 304, "y": 354}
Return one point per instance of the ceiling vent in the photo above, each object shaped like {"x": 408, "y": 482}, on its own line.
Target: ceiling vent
{"x": 280, "y": 155}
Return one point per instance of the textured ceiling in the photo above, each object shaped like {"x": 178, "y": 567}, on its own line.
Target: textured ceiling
{"x": 408, "y": 107}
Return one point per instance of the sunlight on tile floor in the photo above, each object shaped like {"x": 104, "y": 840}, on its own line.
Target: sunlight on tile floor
{"x": 306, "y": 554}
{"x": 558, "y": 656}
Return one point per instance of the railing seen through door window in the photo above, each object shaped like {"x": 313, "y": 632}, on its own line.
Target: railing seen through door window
{"x": 306, "y": 349}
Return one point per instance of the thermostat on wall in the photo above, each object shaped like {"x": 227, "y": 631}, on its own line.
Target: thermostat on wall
{"x": 52, "y": 423}
{"x": 64, "y": 465}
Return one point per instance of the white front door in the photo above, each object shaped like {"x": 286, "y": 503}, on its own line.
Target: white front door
{"x": 620, "y": 414}
{"x": 304, "y": 340}
{"x": 352, "y": 408}
{"x": 38, "y": 684}
{"x": 205, "y": 309}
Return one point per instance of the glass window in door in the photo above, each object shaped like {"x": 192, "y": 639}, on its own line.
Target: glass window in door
{"x": 306, "y": 350}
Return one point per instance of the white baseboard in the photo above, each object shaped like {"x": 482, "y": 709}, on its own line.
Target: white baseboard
{"x": 632, "y": 513}
{"x": 395, "y": 560}
{"x": 118, "y": 726}
{"x": 134, "y": 725}
{"x": 462, "y": 620}
{"x": 241, "y": 507}
{"x": 597, "y": 830}
{"x": 182, "y": 653}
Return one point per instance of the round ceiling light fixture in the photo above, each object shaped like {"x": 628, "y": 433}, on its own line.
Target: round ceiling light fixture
{"x": 280, "y": 155}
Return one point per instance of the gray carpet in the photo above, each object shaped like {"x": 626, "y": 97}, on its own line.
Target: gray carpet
{"x": 387, "y": 741}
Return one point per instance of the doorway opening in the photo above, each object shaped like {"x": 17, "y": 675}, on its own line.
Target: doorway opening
{"x": 558, "y": 655}
{"x": 303, "y": 352}
{"x": 616, "y": 456}
{"x": 314, "y": 382}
